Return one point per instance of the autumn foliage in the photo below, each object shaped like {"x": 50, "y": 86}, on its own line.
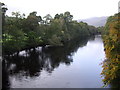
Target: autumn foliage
{"x": 111, "y": 37}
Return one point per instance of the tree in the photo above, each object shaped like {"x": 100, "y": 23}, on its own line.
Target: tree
{"x": 57, "y": 16}
{"x": 32, "y": 22}
{"x": 68, "y": 17}
{"x": 111, "y": 38}
{"x": 48, "y": 18}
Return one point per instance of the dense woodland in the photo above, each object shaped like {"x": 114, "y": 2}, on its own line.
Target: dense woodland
{"x": 21, "y": 32}
{"x": 111, "y": 38}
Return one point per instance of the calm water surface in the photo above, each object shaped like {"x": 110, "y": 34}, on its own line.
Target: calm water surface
{"x": 75, "y": 65}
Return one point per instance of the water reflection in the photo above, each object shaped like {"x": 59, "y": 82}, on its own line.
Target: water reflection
{"x": 30, "y": 63}
{"x": 5, "y": 77}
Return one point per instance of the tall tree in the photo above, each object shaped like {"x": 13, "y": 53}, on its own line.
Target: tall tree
{"x": 32, "y": 22}
{"x": 48, "y": 18}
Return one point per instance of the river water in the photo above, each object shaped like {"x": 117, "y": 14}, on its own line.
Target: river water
{"x": 75, "y": 65}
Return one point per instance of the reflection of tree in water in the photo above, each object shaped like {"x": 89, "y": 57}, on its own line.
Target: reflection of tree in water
{"x": 46, "y": 58}
{"x": 115, "y": 84}
{"x": 93, "y": 38}
{"x": 63, "y": 54}
{"x": 5, "y": 77}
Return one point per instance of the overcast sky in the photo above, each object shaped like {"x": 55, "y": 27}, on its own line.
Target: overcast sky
{"x": 80, "y": 9}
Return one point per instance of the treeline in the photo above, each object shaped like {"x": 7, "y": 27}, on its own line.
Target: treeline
{"x": 111, "y": 37}
{"x": 20, "y": 32}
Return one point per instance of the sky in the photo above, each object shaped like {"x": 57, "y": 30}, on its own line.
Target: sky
{"x": 80, "y": 9}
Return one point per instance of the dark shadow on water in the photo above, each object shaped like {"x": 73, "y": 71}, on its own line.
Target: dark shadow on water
{"x": 5, "y": 77}
{"x": 33, "y": 61}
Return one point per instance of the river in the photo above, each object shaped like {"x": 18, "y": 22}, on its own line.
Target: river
{"x": 75, "y": 65}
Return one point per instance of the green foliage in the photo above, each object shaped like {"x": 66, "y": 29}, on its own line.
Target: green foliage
{"x": 32, "y": 39}
{"x": 11, "y": 44}
{"x": 111, "y": 37}
{"x": 101, "y": 30}
{"x": 55, "y": 40}
{"x": 20, "y": 32}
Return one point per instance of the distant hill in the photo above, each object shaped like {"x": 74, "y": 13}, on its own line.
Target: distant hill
{"x": 95, "y": 21}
